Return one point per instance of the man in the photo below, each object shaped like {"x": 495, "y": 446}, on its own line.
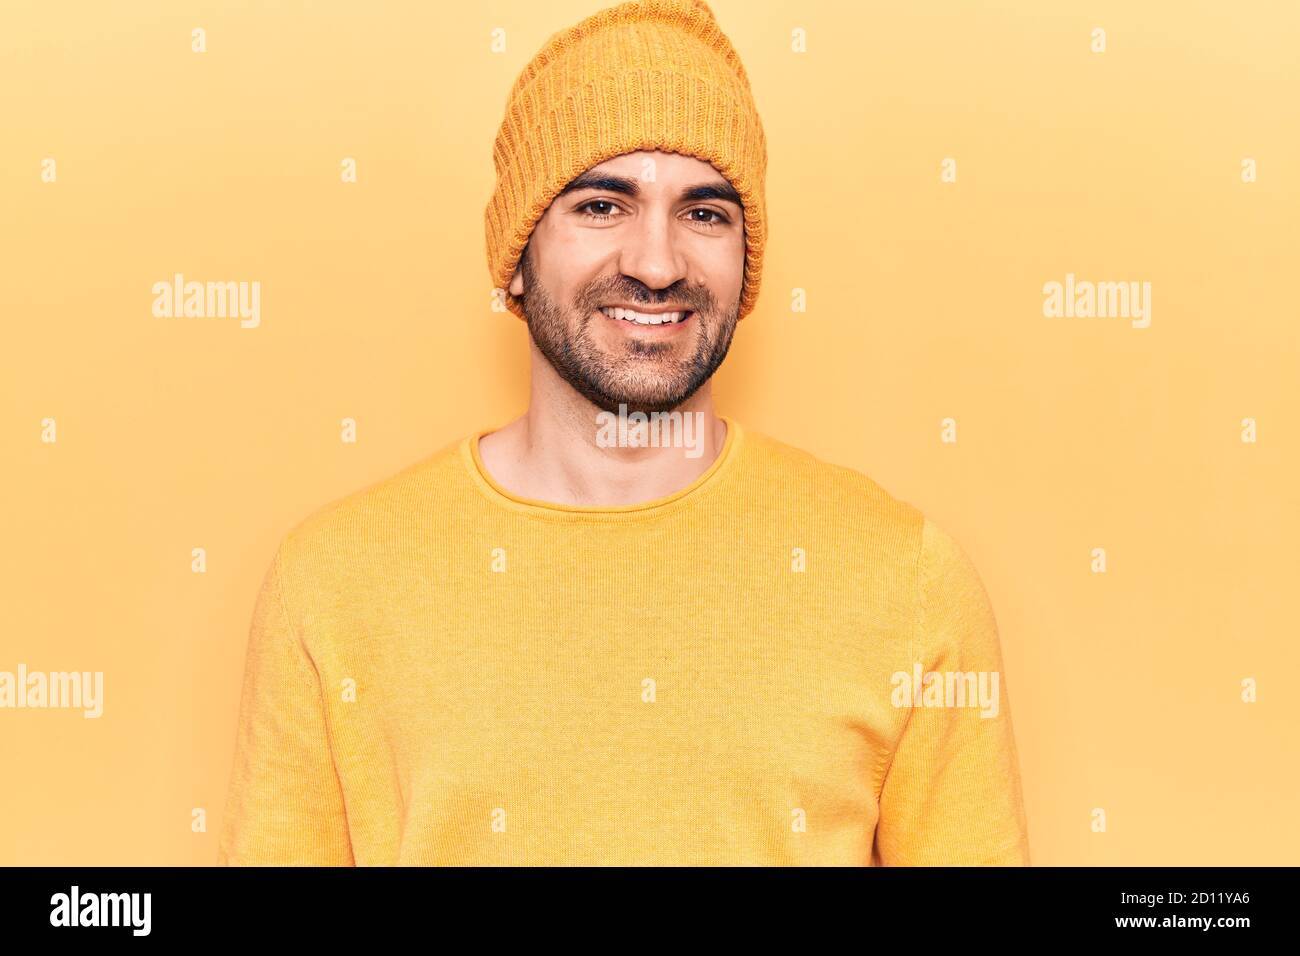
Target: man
{"x": 622, "y": 629}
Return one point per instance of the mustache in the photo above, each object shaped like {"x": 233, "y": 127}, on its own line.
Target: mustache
{"x": 693, "y": 300}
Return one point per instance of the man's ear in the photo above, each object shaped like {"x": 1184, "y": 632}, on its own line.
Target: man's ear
{"x": 516, "y": 287}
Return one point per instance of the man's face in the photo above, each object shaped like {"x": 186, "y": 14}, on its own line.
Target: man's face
{"x": 653, "y": 231}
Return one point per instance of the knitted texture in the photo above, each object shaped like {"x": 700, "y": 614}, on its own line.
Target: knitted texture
{"x": 645, "y": 75}
{"x": 443, "y": 672}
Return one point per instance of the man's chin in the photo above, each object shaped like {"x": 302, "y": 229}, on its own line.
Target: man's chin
{"x": 645, "y": 392}
{"x": 613, "y": 382}
{"x": 634, "y": 404}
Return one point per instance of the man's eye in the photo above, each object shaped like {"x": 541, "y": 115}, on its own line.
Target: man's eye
{"x": 721, "y": 218}
{"x": 597, "y": 215}
{"x": 603, "y": 210}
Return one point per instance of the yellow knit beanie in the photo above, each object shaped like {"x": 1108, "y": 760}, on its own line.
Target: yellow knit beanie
{"x": 644, "y": 75}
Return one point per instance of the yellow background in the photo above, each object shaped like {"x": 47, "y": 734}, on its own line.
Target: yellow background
{"x": 924, "y": 302}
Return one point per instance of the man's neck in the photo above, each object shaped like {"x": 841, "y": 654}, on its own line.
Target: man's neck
{"x": 558, "y": 451}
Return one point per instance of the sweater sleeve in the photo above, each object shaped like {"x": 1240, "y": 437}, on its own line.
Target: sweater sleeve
{"x": 951, "y": 794}
{"x": 284, "y": 805}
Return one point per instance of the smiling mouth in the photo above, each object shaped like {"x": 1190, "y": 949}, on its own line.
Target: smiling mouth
{"x": 646, "y": 318}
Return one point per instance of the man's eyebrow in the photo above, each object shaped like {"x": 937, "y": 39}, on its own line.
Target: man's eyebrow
{"x": 605, "y": 182}
{"x": 724, "y": 191}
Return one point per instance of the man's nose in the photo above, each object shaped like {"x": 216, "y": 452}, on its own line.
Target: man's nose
{"x": 651, "y": 252}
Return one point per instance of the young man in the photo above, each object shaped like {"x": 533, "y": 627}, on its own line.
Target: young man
{"x": 581, "y": 639}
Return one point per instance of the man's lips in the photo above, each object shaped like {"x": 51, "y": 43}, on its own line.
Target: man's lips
{"x": 659, "y": 319}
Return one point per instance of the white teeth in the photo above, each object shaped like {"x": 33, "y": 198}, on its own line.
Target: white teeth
{"x": 644, "y": 318}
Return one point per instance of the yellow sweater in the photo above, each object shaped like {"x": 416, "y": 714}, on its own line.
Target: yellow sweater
{"x": 442, "y": 672}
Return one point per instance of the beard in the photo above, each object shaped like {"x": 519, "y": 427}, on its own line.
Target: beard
{"x": 644, "y": 376}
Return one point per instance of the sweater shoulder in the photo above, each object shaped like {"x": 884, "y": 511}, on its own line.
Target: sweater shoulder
{"x": 942, "y": 567}
{"x": 375, "y": 514}
{"x": 806, "y": 481}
